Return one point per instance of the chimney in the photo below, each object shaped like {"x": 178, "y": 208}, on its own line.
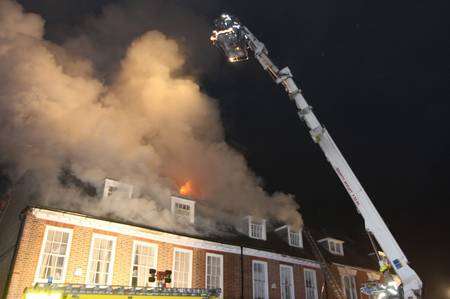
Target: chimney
{"x": 183, "y": 208}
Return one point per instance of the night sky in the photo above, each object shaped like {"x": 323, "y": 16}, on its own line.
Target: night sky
{"x": 377, "y": 75}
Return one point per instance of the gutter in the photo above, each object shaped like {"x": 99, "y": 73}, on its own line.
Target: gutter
{"x": 355, "y": 267}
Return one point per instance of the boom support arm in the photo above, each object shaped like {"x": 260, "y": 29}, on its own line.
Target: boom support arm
{"x": 412, "y": 284}
{"x": 235, "y": 39}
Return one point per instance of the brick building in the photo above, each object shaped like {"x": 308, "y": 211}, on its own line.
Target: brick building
{"x": 76, "y": 248}
{"x": 254, "y": 261}
{"x": 349, "y": 267}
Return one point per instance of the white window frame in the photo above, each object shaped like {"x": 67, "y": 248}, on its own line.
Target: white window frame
{"x": 124, "y": 189}
{"x": 91, "y": 252}
{"x": 338, "y": 248}
{"x": 313, "y": 272}
{"x": 354, "y": 292}
{"x": 332, "y": 246}
{"x": 190, "y": 264}
{"x": 263, "y": 228}
{"x": 177, "y": 200}
{"x": 220, "y": 256}
{"x": 155, "y": 261}
{"x": 41, "y": 254}
{"x": 300, "y": 238}
{"x": 266, "y": 287}
{"x": 291, "y": 273}
{"x": 336, "y": 244}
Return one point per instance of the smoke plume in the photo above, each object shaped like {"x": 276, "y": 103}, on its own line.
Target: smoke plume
{"x": 72, "y": 117}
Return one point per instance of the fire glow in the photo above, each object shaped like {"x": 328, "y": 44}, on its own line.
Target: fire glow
{"x": 186, "y": 189}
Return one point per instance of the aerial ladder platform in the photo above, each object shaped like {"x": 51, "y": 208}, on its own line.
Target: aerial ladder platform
{"x": 237, "y": 42}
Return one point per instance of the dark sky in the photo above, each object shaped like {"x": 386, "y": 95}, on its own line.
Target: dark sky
{"x": 377, "y": 74}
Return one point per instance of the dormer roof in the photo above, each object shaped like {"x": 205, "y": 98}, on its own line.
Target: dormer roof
{"x": 291, "y": 236}
{"x": 334, "y": 246}
{"x": 254, "y": 227}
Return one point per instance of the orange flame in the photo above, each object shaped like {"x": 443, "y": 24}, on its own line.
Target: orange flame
{"x": 186, "y": 189}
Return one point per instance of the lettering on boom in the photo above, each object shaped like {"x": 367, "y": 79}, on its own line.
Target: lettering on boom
{"x": 347, "y": 186}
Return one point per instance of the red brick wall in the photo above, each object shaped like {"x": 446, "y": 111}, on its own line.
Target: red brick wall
{"x": 274, "y": 278}
{"x": 30, "y": 245}
{"x": 360, "y": 279}
{"x": 27, "y": 258}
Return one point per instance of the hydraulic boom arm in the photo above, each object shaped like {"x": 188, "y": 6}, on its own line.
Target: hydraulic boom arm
{"x": 234, "y": 39}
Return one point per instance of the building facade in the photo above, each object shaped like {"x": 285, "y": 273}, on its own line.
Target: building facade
{"x": 64, "y": 247}
{"x": 349, "y": 269}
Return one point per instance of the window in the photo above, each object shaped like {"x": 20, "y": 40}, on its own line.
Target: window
{"x": 335, "y": 247}
{"x": 332, "y": 246}
{"x": 117, "y": 189}
{"x": 143, "y": 259}
{"x": 101, "y": 260}
{"x": 310, "y": 284}
{"x": 183, "y": 208}
{"x": 257, "y": 230}
{"x": 54, "y": 255}
{"x": 286, "y": 282}
{"x": 214, "y": 271}
{"x": 349, "y": 284}
{"x": 111, "y": 190}
{"x": 295, "y": 238}
{"x": 260, "y": 280}
{"x": 182, "y": 268}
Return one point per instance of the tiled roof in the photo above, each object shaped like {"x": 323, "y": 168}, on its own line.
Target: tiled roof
{"x": 274, "y": 243}
{"x": 355, "y": 254}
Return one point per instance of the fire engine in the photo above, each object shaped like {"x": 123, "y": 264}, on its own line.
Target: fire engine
{"x": 81, "y": 291}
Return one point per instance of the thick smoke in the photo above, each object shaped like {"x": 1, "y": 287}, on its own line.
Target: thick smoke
{"x": 147, "y": 126}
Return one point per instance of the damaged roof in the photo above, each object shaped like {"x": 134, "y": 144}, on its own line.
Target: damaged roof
{"x": 353, "y": 256}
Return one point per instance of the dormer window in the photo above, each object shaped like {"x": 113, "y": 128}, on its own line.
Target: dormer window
{"x": 295, "y": 238}
{"x": 334, "y": 246}
{"x": 291, "y": 236}
{"x": 183, "y": 208}
{"x": 255, "y": 228}
{"x": 117, "y": 190}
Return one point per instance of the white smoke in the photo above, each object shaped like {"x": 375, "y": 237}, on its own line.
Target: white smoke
{"x": 147, "y": 127}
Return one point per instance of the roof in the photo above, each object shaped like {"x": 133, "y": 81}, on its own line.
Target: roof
{"x": 274, "y": 243}
{"x": 355, "y": 253}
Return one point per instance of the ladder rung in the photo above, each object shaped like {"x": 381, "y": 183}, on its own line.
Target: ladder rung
{"x": 324, "y": 265}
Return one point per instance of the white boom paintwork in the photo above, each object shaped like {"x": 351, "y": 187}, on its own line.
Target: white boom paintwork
{"x": 412, "y": 285}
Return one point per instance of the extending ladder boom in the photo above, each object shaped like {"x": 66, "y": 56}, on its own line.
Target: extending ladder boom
{"x": 234, "y": 39}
